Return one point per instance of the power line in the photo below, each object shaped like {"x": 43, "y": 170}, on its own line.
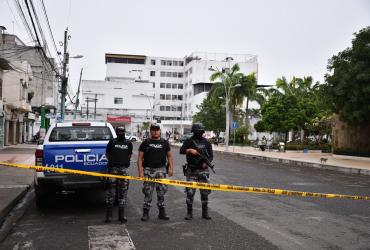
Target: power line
{"x": 39, "y": 26}
{"x": 37, "y": 37}
{"x": 24, "y": 20}
{"x": 11, "y": 10}
{"x": 50, "y": 31}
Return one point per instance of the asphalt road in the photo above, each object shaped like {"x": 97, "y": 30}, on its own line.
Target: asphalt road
{"x": 239, "y": 220}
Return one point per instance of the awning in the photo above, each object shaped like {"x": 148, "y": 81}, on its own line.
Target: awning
{"x": 4, "y": 64}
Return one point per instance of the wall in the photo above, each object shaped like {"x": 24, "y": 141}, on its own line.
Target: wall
{"x": 350, "y": 137}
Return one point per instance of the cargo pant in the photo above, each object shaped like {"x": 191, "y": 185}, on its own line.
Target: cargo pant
{"x": 197, "y": 176}
{"x": 117, "y": 185}
{"x": 148, "y": 187}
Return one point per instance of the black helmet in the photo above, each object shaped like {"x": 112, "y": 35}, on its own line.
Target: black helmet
{"x": 155, "y": 126}
{"x": 197, "y": 127}
{"x": 120, "y": 129}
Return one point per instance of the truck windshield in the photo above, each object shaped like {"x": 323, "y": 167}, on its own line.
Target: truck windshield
{"x": 80, "y": 134}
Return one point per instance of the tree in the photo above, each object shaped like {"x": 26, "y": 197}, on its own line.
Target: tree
{"x": 348, "y": 81}
{"x": 291, "y": 106}
{"x": 226, "y": 78}
{"x": 145, "y": 126}
{"x": 211, "y": 114}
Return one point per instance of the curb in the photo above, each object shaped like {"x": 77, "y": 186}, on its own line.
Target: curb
{"x": 18, "y": 208}
{"x": 5, "y": 212}
{"x": 348, "y": 170}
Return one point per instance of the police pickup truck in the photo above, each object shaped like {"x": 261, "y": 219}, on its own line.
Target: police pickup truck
{"x": 71, "y": 145}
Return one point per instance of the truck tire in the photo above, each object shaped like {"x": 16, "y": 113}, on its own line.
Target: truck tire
{"x": 42, "y": 198}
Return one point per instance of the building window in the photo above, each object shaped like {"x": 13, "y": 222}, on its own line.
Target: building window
{"x": 168, "y": 97}
{"x": 174, "y": 63}
{"x": 179, "y": 108}
{"x": 152, "y": 62}
{"x": 174, "y": 74}
{"x": 169, "y": 63}
{"x": 118, "y": 100}
{"x": 174, "y": 85}
{"x": 162, "y": 97}
{"x": 173, "y": 108}
{"x": 174, "y": 97}
{"x": 181, "y": 63}
{"x": 179, "y": 97}
{"x": 163, "y": 85}
{"x": 168, "y": 108}
{"x": 180, "y": 86}
{"x": 168, "y": 74}
{"x": 163, "y": 62}
{"x": 162, "y": 108}
{"x": 124, "y": 60}
{"x": 152, "y": 73}
{"x": 163, "y": 74}
{"x": 168, "y": 85}
{"x": 180, "y": 75}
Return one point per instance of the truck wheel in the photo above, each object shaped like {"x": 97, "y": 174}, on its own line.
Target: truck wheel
{"x": 42, "y": 198}
{"x": 133, "y": 139}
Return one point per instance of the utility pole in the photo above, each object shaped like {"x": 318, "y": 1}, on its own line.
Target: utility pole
{"x": 89, "y": 99}
{"x": 63, "y": 88}
{"x": 95, "y": 100}
{"x": 77, "y": 96}
{"x": 87, "y": 111}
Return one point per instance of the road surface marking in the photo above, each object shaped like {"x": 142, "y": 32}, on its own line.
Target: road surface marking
{"x": 111, "y": 236}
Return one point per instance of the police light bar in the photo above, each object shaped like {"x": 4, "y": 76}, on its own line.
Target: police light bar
{"x": 79, "y": 124}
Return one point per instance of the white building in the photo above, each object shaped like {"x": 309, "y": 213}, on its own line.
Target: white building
{"x": 173, "y": 86}
{"x": 123, "y": 101}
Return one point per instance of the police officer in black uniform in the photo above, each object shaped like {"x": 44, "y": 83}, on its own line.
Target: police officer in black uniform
{"x": 118, "y": 153}
{"x": 197, "y": 170}
{"x": 154, "y": 154}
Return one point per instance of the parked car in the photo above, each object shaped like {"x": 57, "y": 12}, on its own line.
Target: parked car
{"x": 130, "y": 137}
{"x": 184, "y": 137}
{"x": 71, "y": 145}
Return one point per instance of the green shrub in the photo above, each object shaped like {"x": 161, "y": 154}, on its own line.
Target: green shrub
{"x": 325, "y": 148}
{"x": 351, "y": 152}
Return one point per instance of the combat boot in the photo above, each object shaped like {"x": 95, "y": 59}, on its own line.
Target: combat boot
{"x": 145, "y": 214}
{"x": 108, "y": 214}
{"x": 121, "y": 215}
{"x": 205, "y": 212}
{"x": 162, "y": 214}
{"x": 189, "y": 215}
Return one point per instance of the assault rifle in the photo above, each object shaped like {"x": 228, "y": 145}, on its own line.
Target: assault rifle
{"x": 204, "y": 156}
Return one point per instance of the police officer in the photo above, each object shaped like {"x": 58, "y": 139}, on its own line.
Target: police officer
{"x": 154, "y": 154}
{"x": 118, "y": 153}
{"x": 197, "y": 170}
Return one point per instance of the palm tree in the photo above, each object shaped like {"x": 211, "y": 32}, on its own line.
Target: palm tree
{"x": 247, "y": 85}
{"x": 300, "y": 88}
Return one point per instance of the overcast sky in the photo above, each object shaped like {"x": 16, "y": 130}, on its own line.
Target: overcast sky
{"x": 290, "y": 37}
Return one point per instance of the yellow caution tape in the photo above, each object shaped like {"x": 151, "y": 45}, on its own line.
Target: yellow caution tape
{"x": 217, "y": 187}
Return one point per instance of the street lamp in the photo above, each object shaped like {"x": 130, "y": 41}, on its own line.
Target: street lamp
{"x": 227, "y": 96}
{"x": 150, "y": 103}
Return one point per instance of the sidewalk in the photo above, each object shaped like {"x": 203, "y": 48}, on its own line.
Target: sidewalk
{"x": 347, "y": 164}
{"x": 14, "y": 182}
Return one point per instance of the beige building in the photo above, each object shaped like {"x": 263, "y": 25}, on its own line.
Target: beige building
{"x": 16, "y": 104}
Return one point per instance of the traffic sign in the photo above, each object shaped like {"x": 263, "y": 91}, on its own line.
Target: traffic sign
{"x": 235, "y": 125}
